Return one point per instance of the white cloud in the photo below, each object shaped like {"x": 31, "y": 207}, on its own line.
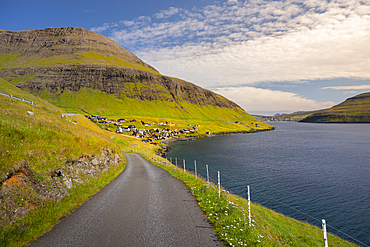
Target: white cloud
{"x": 324, "y": 52}
{"x": 102, "y": 28}
{"x": 253, "y": 42}
{"x": 227, "y": 48}
{"x": 266, "y": 101}
{"x": 167, "y": 13}
{"x": 359, "y": 87}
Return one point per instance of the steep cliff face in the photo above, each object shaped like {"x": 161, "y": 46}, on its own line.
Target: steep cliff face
{"x": 72, "y": 58}
{"x": 133, "y": 83}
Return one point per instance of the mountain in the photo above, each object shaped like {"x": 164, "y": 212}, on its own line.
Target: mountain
{"x": 49, "y": 166}
{"x": 352, "y": 110}
{"x": 74, "y": 67}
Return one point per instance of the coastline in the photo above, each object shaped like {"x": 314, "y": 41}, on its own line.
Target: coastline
{"x": 164, "y": 149}
{"x": 183, "y": 138}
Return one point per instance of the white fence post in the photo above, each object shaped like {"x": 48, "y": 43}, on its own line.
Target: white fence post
{"x": 176, "y": 161}
{"x": 219, "y": 185}
{"x": 325, "y": 235}
{"x": 183, "y": 161}
{"x": 207, "y": 176}
{"x": 249, "y": 206}
{"x": 195, "y": 168}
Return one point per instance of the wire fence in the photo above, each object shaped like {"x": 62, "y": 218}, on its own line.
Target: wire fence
{"x": 192, "y": 166}
{"x": 17, "y": 98}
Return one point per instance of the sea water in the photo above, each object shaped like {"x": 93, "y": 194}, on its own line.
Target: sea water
{"x": 307, "y": 171}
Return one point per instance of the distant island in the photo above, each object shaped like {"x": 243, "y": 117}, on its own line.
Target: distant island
{"x": 353, "y": 110}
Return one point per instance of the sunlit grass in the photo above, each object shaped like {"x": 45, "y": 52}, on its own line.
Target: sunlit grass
{"x": 41, "y": 220}
{"x": 229, "y": 216}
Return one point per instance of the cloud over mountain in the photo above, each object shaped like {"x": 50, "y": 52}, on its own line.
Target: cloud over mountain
{"x": 252, "y": 42}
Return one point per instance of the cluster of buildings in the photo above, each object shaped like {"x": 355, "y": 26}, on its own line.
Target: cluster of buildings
{"x": 148, "y": 135}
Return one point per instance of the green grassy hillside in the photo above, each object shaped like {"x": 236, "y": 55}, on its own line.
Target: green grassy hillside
{"x": 100, "y": 103}
{"x": 11, "y": 60}
{"x": 74, "y": 67}
{"x": 353, "y": 110}
{"x": 32, "y": 148}
{"x": 35, "y": 142}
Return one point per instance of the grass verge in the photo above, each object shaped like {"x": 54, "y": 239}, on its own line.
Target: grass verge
{"x": 41, "y": 220}
{"x": 229, "y": 216}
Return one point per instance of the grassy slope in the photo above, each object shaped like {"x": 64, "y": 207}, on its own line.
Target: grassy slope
{"x": 44, "y": 138}
{"x": 47, "y": 131}
{"x": 353, "y": 110}
{"x": 9, "y": 60}
{"x": 45, "y": 142}
{"x": 212, "y": 119}
{"x": 99, "y": 103}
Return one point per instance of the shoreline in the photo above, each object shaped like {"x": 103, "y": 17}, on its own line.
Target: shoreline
{"x": 182, "y": 138}
{"x": 163, "y": 150}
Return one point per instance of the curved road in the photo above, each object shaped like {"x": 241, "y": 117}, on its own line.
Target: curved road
{"x": 143, "y": 206}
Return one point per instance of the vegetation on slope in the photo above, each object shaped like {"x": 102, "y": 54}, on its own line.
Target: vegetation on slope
{"x": 99, "y": 103}
{"x": 49, "y": 141}
{"x": 353, "y": 110}
{"x": 75, "y": 67}
{"x": 35, "y": 145}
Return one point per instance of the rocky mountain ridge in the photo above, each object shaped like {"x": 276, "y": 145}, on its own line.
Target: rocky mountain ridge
{"x": 61, "y": 41}
{"x": 56, "y": 59}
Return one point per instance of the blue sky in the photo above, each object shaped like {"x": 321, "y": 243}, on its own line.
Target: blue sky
{"x": 267, "y": 56}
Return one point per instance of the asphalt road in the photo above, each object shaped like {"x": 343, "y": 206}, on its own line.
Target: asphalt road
{"x": 143, "y": 206}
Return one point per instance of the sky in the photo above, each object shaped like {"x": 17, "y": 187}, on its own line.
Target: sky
{"x": 267, "y": 56}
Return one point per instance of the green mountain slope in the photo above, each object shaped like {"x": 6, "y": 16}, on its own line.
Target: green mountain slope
{"x": 41, "y": 155}
{"x": 75, "y": 67}
{"x": 353, "y": 110}
{"x": 50, "y": 165}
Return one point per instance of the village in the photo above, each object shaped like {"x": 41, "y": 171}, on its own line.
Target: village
{"x": 138, "y": 128}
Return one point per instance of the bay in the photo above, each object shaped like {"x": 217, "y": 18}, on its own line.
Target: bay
{"x": 307, "y": 171}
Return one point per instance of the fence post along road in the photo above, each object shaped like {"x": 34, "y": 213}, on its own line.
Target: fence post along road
{"x": 143, "y": 206}
{"x": 248, "y": 192}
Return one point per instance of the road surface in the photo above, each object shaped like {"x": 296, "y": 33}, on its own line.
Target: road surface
{"x": 143, "y": 206}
